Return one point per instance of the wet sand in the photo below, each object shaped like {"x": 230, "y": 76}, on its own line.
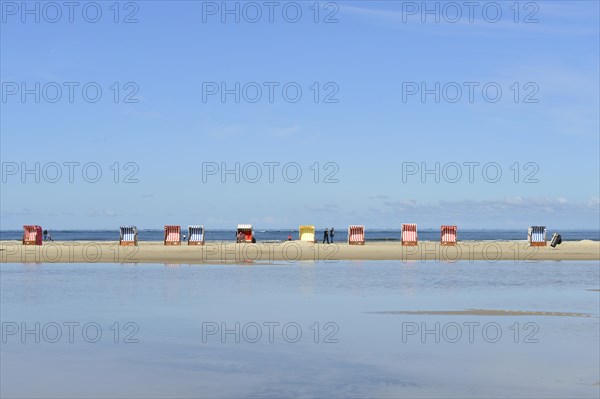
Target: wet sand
{"x": 290, "y": 251}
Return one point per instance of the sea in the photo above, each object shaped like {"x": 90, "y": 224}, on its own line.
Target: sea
{"x": 341, "y": 235}
{"x": 300, "y": 330}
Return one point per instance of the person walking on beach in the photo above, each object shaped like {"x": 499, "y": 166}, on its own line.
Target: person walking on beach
{"x": 45, "y": 235}
{"x": 331, "y": 234}
{"x": 326, "y": 236}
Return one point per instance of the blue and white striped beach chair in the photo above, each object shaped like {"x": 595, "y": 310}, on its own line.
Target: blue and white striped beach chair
{"x": 129, "y": 235}
{"x": 196, "y": 235}
{"x": 536, "y": 236}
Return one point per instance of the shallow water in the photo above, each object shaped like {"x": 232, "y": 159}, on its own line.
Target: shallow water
{"x": 318, "y": 333}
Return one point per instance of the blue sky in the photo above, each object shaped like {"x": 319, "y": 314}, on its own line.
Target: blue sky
{"x": 371, "y": 132}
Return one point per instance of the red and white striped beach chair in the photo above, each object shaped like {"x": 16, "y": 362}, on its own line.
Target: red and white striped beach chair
{"x": 356, "y": 235}
{"x": 196, "y": 235}
{"x": 409, "y": 234}
{"x": 32, "y": 235}
{"x": 448, "y": 235}
{"x": 172, "y": 235}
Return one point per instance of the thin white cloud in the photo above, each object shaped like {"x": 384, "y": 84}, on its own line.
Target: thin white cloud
{"x": 285, "y": 132}
{"x": 60, "y": 214}
{"x": 237, "y": 130}
{"x": 228, "y": 131}
{"x": 100, "y": 213}
{"x": 509, "y": 212}
{"x": 21, "y": 212}
{"x": 379, "y": 197}
{"x": 331, "y": 208}
{"x": 558, "y": 19}
{"x": 495, "y": 204}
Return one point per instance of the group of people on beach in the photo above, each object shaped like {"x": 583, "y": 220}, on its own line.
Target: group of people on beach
{"x": 327, "y": 235}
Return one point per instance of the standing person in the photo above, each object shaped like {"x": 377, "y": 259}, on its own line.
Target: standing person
{"x": 45, "y": 235}
{"x": 331, "y": 234}
{"x": 289, "y": 237}
{"x": 326, "y": 236}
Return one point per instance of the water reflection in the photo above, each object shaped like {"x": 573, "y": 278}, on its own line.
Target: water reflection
{"x": 173, "y": 306}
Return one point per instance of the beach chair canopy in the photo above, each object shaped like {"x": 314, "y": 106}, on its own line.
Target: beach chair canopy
{"x": 307, "y": 233}
{"x": 448, "y": 234}
{"x": 356, "y": 234}
{"x": 537, "y": 234}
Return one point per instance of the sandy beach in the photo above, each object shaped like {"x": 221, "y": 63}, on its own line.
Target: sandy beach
{"x": 290, "y": 251}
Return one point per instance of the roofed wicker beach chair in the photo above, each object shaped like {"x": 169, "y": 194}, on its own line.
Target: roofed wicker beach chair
{"x": 172, "y": 235}
{"x": 448, "y": 235}
{"x": 196, "y": 235}
{"x": 536, "y": 235}
{"x": 409, "y": 234}
{"x": 129, "y": 235}
{"x": 356, "y": 235}
{"x": 246, "y": 233}
{"x": 306, "y": 233}
{"x": 32, "y": 235}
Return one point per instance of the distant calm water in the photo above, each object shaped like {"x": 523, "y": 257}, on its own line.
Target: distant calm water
{"x": 303, "y": 330}
{"x": 281, "y": 235}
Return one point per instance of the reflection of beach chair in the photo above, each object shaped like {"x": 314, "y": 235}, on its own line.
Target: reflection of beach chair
{"x": 172, "y": 235}
{"x": 448, "y": 236}
{"x": 409, "y": 234}
{"x": 356, "y": 235}
{"x": 536, "y": 235}
{"x": 246, "y": 233}
{"x": 195, "y": 235}
{"x": 32, "y": 235}
{"x": 307, "y": 233}
{"x": 129, "y": 235}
